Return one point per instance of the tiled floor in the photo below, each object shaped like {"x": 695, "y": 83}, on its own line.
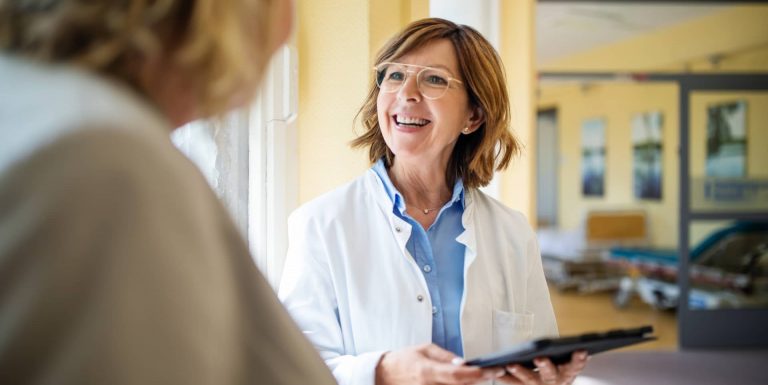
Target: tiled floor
{"x": 579, "y": 313}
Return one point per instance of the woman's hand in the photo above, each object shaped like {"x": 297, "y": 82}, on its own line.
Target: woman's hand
{"x": 428, "y": 364}
{"x": 547, "y": 373}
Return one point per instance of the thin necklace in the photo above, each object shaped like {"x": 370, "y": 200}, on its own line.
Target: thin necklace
{"x": 423, "y": 211}
{"x": 427, "y": 211}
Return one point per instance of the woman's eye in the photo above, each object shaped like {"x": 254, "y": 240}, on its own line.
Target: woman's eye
{"x": 437, "y": 80}
{"x": 396, "y": 76}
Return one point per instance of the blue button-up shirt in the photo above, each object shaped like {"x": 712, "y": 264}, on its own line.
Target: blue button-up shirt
{"x": 440, "y": 258}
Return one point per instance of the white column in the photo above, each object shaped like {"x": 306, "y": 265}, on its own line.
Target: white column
{"x": 482, "y": 15}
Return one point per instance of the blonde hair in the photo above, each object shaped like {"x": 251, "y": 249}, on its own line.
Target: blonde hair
{"x": 221, "y": 44}
{"x": 480, "y": 68}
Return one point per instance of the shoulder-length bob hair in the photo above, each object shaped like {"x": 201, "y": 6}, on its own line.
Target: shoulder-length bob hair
{"x": 490, "y": 146}
{"x": 220, "y": 44}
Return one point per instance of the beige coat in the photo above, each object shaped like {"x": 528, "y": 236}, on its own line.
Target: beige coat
{"x": 118, "y": 265}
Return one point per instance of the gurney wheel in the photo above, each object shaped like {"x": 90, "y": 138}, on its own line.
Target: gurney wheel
{"x": 627, "y": 288}
{"x": 621, "y": 299}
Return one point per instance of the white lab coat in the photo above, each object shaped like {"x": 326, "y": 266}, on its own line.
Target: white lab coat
{"x": 356, "y": 292}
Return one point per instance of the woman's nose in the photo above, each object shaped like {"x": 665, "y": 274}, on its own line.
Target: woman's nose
{"x": 410, "y": 89}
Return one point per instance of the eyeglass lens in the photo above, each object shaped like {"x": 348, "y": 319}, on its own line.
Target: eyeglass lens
{"x": 432, "y": 82}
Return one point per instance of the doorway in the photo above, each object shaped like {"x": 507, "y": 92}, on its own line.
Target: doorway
{"x": 547, "y": 160}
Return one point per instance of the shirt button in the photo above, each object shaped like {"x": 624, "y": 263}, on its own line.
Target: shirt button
{"x": 427, "y": 268}
{"x": 434, "y": 309}
{"x": 420, "y": 298}
{"x": 398, "y": 229}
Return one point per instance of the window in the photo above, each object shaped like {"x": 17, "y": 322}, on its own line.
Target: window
{"x": 250, "y": 160}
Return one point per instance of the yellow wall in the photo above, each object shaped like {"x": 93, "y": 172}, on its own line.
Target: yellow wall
{"x": 389, "y": 17}
{"x": 746, "y": 60}
{"x": 731, "y": 32}
{"x": 337, "y": 40}
{"x": 517, "y": 48}
{"x": 617, "y": 104}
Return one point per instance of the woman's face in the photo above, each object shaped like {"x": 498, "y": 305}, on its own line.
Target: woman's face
{"x": 421, "y": 129}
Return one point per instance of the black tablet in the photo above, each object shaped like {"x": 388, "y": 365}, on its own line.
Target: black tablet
{"x": 559, "y": 350}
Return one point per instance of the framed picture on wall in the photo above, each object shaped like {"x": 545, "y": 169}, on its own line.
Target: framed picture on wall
{"x": 593, "y": 157}
{"x": 727, "y": 140}
{"x": 647, "y": 155}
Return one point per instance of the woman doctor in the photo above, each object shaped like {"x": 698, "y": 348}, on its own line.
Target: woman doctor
{"x": 396, "y": 274}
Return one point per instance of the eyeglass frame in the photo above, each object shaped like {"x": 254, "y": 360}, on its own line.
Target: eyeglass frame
{"x": 449, "y": 78}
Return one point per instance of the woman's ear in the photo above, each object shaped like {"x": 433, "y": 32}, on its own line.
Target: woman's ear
{"x": 476, "y": 119}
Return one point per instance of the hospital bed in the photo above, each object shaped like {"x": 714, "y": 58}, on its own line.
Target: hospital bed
{"x": 577, "y": 259}
{"x": 728, "y": 269}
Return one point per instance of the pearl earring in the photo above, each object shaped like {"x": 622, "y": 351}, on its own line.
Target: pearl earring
{"x": 465, "y": 130}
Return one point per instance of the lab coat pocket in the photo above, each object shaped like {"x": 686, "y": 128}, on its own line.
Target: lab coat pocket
{"x": 510, "y": 329}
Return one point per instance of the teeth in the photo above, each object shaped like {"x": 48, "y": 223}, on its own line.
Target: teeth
{"x": 410, "y": 120}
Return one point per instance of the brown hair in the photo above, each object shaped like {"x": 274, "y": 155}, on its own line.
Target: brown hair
{"x": 220, "y": 43}
{"x": 481, "y": 70}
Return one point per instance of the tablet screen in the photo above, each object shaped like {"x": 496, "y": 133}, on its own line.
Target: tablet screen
{"x": 559, "y": 350}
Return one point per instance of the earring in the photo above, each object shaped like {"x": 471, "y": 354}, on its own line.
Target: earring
{"x": 465, "y": 130}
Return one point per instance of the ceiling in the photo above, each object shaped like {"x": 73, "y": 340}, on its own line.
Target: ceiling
{"x": 566, "y": 28}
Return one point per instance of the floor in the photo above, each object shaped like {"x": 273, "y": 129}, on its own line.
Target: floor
{"x": 677, "y": 368}
{"x": 580, "y": 313}
{"x": 659, "y": 362}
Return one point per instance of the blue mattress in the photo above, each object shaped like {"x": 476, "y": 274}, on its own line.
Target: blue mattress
{"x": 670, "y": 257}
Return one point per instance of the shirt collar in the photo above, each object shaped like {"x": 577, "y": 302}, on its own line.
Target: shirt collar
{"x": 397, "y": 199}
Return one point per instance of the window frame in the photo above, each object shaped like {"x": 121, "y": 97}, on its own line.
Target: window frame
{"x": 273, "y": 164}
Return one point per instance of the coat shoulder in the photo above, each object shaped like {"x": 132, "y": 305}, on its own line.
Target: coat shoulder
{"x": 501, "y": 214}
{"x": 337, "y": 203}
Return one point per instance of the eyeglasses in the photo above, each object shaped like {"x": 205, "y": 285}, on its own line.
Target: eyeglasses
{"x": 431, "y": 82}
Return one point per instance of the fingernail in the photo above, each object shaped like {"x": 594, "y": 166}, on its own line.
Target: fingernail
{"x": 514, "y": 369}
{"x": 500, "y": 373}
{"x": 458, "y": 361}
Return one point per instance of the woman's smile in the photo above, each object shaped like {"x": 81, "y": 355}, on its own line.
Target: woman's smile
{"x": 409, "y": 123}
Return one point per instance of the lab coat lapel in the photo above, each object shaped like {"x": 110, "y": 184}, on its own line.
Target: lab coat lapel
{"x": 475, "y": 327}
{"x": 399, "y": 228}
{"x": 468, "y": 238}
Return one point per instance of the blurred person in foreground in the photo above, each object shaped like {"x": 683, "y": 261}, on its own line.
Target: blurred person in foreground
{"x": 398, "y": 274}
{"x": 118, "y": 264}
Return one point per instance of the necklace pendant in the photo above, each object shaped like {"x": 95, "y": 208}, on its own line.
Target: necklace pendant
{"x": 426, "y": 211}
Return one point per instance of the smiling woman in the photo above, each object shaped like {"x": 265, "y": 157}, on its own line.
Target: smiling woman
{"x": 397, "y": 274}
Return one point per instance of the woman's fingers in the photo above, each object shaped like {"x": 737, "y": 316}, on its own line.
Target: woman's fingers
{"x": 452, "y": 374}
{"x": 547, "y": 371}
{"x": 445, "y": 372}
{"x": 437, "y": 353}
{"x": 570, "y": 370}
{"x": 508, "y": 378}
{"x": 442, "y": 370}
{"x": 523, "y": 375}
